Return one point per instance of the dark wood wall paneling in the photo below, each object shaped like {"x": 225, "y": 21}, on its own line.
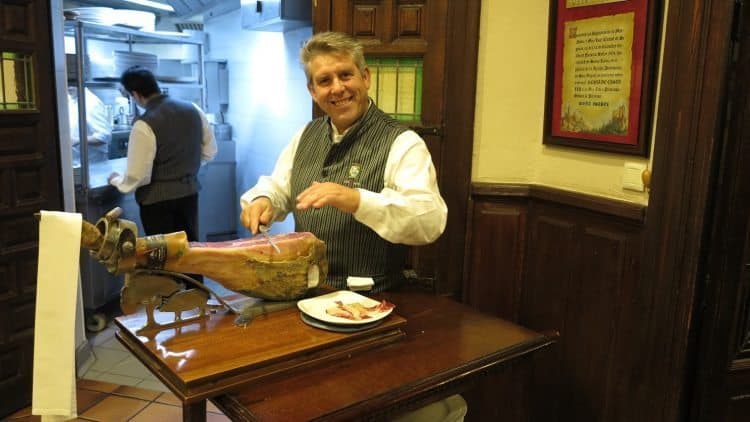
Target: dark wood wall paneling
{"x": 691, "y": 117}
{"x": 721, "y": 387}
{"x": 29, "y": 181}
{"x": 557, "y": 260}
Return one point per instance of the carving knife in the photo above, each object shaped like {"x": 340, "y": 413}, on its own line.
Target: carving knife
{"x": 263, "y": 229}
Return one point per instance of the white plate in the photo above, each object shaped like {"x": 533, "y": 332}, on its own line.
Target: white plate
{"x": 337, "y": 328}
{"x": 316, "y": 307}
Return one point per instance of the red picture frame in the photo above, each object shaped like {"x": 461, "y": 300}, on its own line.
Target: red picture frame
{"x": 601, "y": 72}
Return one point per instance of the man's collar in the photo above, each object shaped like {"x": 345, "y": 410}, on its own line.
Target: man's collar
{"x": 153, "y": 99}
{"x": 338, "y": 136}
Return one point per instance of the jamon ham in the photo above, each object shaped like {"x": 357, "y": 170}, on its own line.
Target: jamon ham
{"x": 249, "y": 266}
{"x": 357, "y": 311}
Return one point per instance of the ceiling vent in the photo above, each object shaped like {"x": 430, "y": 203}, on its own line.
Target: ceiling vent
{"x": 189, "y": 26}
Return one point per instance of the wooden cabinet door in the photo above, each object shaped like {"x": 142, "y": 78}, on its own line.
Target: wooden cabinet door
{"x": 29, "y": 181}
{"x": 430, "y": 30}
{"x": 401, "y": 28}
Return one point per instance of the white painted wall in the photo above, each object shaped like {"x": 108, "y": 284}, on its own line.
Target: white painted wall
{"x": 268, "y": 98}
{"x": 509, "y": 119}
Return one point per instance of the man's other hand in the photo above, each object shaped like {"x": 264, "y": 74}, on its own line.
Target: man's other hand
{"x": 319, "y": 195}
{"x": 114, "y": 178}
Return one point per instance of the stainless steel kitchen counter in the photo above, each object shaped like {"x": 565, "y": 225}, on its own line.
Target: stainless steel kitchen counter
{"x": 99, "y": 172}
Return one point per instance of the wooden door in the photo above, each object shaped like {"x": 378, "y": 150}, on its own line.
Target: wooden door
{"x": 723, "y": 389}
{"x": 29, "y": 181}
{"x": 431, "y": 30}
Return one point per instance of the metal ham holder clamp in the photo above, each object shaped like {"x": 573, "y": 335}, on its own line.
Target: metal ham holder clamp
{"x": 117, "y": 250}
{"x": 157, "y": 289}
{"x": 114, "y": 243}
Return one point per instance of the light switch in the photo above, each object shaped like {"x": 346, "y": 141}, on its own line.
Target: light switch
{"x": 632, "y": 177}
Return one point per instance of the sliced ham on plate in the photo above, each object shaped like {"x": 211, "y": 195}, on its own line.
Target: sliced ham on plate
{"x": 357, "y": 311}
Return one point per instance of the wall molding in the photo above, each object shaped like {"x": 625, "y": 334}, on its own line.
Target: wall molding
{"x": 633, "y": 212}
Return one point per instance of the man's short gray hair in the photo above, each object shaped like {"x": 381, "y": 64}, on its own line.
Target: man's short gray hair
{"x": 331, "y": 43}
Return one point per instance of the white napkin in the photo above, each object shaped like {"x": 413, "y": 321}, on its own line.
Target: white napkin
{"x": 54, "y": 388}
{"x": 359, "y": 283}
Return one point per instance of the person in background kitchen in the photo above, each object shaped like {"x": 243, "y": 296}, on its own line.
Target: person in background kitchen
{"x": 168, "y": 144}
{"x": 357, "y": 179}
{"x": 98, "y": 127}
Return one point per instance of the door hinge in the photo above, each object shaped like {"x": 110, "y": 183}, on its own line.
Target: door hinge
{"x": 429, "y": 130}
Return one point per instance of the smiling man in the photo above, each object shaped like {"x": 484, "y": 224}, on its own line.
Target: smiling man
{"x": 356, "y": 178}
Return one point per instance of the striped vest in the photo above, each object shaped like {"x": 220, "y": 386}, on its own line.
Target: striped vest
{"x": 178, "y": 129}
{"x": 358, "y": 161}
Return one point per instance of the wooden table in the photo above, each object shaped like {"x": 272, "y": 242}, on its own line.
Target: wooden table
{"x": 279, "y": 369}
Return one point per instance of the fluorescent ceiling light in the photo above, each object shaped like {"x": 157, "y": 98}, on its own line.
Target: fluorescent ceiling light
{"x": 154, "y": 4}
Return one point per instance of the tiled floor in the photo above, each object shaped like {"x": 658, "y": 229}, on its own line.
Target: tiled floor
{"x": 106, "y": 402}
{"x": 117, "y": 387}
{"x": 115, "y": 364}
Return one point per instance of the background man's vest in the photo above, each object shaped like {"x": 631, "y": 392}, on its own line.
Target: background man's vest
{"x": 179, "y": 134}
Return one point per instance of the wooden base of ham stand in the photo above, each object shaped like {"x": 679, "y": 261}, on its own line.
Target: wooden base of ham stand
{"x": 212, "y": 355}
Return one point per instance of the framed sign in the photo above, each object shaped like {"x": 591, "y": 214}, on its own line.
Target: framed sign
{"x": 601, "y": 71}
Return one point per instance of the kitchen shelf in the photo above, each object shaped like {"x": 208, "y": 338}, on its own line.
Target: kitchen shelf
{"x": 93, "y": 195}
{"x": 122, "y": 37}
{"x": 115, "y": 83}
{"x": 123, "y": 34}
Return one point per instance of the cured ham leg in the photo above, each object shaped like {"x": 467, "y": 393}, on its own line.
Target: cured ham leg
{"x": 249, "y": 266}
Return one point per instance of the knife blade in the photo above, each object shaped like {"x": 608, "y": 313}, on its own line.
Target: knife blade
{"x": 263, "y": 229}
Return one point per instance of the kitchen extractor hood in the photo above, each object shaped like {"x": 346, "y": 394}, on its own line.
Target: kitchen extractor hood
{"x": 260, "y": 15}
{"x": 276, "y": 15}
{"x": 180, "y": 8}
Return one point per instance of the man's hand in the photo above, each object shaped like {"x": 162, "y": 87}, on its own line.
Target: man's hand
{"x": 260, "y": 211}
{"x": 113, "y": 176}
{"x": 319, "y": 195}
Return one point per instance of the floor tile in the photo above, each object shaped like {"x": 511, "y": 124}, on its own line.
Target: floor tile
{"x": 91, "y": 374}
{"x": 169, "y": 398}
{"x": 104, "y": 387}
{"x": 114, "y": 408}
{"x": 107, "y": 358}
{"x": 130, "y": 367}
{"x": 119, "y": 379}
{"x": 216, "y": 417}
{"x": 137, "y": 393}
{"x": 123, "y": 404}
{"x": 86, "y": 399}
{"x": 210, "y": 407}
{"x": 107, "y": 334}
{"x": 158, "y": 412}
{"x": 153, "y": 384}
{"x": 112, "y": 343}
{"x": 28, "y": 418}
{"x": 118, "y": 387}
{"x": 23, "y": 415}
